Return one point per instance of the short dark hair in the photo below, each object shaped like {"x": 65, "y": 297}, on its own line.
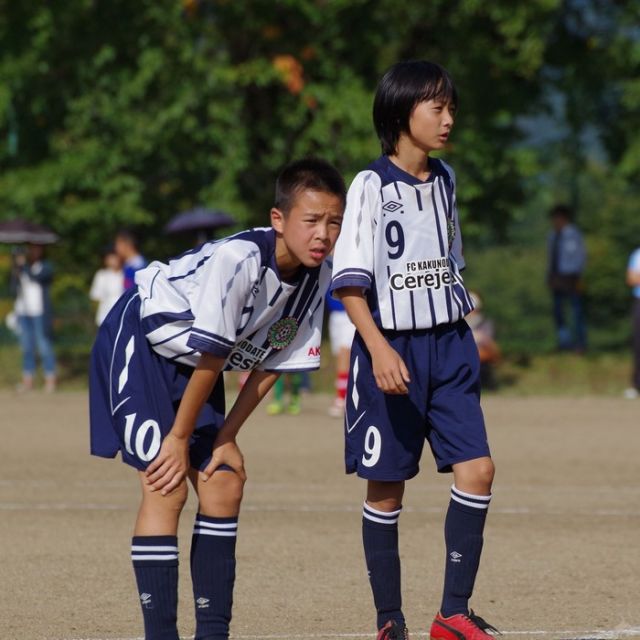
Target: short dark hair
{"x": 561, "y": 211}
{"x": 309, "y": 173}
{"x": 130, "y": 236}
{"x": 402, "y": 87}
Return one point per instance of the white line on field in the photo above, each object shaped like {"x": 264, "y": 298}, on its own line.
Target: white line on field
{"x": 584, "y": 634}
{"x": 303, "y": 508}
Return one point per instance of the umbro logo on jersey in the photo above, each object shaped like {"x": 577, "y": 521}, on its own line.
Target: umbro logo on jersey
{"x": 455, "y": 556}
{"x": 391, "y": 206}
{"x": 203, "y": 603}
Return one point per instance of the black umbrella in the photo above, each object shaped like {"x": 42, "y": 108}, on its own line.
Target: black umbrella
{"x": 199, "y": 219}
{"x": 19, "y": 231}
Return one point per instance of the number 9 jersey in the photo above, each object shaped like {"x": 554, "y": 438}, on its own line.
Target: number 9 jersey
{"x": 401, "y": 243}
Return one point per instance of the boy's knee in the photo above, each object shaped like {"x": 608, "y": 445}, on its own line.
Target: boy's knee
{"x": 385, "y": 496}
{"x": 221, "y": 495}
{"x": 475, "y": 476}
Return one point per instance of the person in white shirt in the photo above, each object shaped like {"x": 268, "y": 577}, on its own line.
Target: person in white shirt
{"x": 31, "y": 278}
{"x": 107, "y": 285}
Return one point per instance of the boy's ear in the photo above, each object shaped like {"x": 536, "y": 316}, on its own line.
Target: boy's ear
{"x": 277, "y": 219}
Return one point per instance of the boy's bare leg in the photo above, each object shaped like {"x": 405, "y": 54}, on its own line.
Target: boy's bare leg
{"x": 154, "y": 553}
{"x": 213, "y": 561}
{"x": 463, "y": 532}
{"x": 380, "y": 540}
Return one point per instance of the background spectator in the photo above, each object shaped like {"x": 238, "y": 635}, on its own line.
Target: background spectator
{"x": 633, "y": 280}
{"x": 567, "y": 260}
{"x": 31, "y": 278}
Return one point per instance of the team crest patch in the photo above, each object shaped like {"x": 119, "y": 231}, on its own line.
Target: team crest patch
{"x": 282, "y": 333}
{"x": 451, "y": 231}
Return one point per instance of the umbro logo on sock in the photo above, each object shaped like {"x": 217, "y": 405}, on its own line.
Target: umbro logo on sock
{"x": 455, "y": 556}
{"x": 203, "y": 603}
{"x": 145, "y": 599}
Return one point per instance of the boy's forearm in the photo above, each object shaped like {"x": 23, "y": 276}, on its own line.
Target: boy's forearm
{"x": 196, "y": 393}
{"x": 253, "y": 391}
{"x": 360, "y": 315}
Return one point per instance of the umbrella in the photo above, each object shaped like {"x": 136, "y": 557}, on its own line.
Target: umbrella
{"x": 18, "y": 231}
{"x": 199, "y": 219}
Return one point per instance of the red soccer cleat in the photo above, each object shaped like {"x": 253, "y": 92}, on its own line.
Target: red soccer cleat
{"x": 393, "y": 631}
{"x": 461, "y": 627}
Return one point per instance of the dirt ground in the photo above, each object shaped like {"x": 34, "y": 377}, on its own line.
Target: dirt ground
{"x": 561, "y": 560}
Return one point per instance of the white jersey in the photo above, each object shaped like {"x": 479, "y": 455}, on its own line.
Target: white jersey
{"x": 401, "y": 243}
{"x": 226, "y": 298}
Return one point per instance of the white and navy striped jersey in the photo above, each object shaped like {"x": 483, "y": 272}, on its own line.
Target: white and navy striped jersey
{"x": 401, "y": 243}
{"x": 226, "y": 298}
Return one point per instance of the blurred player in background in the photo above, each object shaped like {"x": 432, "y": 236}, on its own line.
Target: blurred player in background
{"x": 127, "y": 247}
{"x": 414, "y": 365}
{"x": 633, "y": 280}
{"x": 341, "y": 332}
{"x": 249, "y": 302}
{"x": 484, "y": 336}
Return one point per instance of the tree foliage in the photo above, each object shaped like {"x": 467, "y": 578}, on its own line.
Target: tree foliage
{"x": 118, "y": 113}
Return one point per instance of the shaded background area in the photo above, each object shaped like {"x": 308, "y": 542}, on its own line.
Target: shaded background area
{"x": 120, "y": 114}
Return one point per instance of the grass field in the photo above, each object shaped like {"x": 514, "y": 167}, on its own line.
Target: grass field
{"x": 561, "y": 557}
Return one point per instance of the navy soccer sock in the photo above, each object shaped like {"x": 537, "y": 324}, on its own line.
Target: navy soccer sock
{"x": 155, "y": 563}
{"x": 213, "y": 573}
{"x": 463, "y": 530}
{"x": 380, "y": 540}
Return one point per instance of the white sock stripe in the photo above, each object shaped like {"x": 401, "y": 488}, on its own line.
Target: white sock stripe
{"x": 475, "y": 505}
{"x": 375, "y": 512}
{"x": 380, "y": 520}
{"x": 217, "y": 525}
{"x": 173, "y": 556}
{"x": 213, "y": 532}
{"x": 140, "y": 547}
{"x": 462, "y": 494}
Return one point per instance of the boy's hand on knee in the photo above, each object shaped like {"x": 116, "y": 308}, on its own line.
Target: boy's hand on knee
{"x": 390, "y": 371}
{"x": 169, "y": 469}
{"x": 226, "y": 453}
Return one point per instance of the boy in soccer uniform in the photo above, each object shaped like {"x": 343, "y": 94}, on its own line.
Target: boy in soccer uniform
{"x": 414, "y": 365}
{"x": 249, "y": 302}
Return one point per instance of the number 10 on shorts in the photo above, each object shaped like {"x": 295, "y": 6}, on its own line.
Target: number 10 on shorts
{"x": 372, "y": 447}
{"x": 141, "y": 435}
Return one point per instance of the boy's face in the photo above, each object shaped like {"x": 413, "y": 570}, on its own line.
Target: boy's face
{"x": 430, "y": 124}
{"x": 308, "y": 233}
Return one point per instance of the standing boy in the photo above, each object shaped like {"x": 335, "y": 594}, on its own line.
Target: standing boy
{"x": 633, "y": 280}
{"x": 414, "y": 365}
{"x": 252, "y": 301}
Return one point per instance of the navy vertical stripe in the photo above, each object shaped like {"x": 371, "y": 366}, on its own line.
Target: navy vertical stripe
{"x": 436, "y": 215}
{"x": 418, "y": 198}
{"x": 413, "y": 309}
{"x": 432, "y": 309}
{"x": 393, "y": 306}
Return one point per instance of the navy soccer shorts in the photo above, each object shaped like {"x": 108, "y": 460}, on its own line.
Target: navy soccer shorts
{"x": 134, "y": 393}
{"x": 385, "y": 433}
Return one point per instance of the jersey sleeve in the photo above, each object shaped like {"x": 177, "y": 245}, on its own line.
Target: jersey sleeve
{"x": 353, "y": 255}
{"x": 634, "y": 261}
{"x": 227, "y": 282}
{"x": 97, "y": 287}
